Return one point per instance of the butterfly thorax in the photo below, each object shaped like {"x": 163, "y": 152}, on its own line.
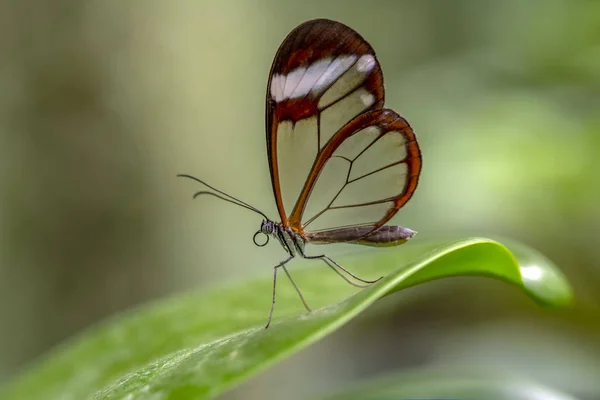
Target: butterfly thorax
{"x": 291, "y": 241}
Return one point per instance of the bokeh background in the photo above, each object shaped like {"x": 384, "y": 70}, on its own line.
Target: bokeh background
{"x": 103, "y": 102}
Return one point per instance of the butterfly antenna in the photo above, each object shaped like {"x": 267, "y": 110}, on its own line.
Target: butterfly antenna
{"x": 222, "y": 195}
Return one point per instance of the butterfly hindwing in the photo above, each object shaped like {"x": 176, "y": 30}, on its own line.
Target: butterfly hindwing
{"x": 367, "y": 172}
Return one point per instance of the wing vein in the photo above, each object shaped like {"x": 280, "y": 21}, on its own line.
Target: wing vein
{"x": 403, "y": 161}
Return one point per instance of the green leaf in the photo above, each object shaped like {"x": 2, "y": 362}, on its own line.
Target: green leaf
{"x": 197, "y": 346}
{"x": 448, "y": 383}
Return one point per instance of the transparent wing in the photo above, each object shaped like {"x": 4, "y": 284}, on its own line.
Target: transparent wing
{"x": 323, "y": 76}
{"x": 337, "y": 159}
{"x": 368, "y": 172}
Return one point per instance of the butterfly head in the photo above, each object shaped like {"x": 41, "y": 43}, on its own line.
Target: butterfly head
{"x": 267, "y": 228}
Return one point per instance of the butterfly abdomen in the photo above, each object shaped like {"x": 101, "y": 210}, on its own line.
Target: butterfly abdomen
{"x": 382, "y": 237}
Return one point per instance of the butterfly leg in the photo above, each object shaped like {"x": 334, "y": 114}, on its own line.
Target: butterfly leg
{"x": 297, "y": 289}
{"x": 282, "y": 265}
{"x": 329, "y": 261}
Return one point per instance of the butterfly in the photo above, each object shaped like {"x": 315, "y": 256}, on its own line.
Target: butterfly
{"x": 341, "y": 164}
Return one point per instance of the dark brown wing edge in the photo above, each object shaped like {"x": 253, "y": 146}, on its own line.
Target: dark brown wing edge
{"x": 387, "y": 120}
{"x": 307, "y": 43}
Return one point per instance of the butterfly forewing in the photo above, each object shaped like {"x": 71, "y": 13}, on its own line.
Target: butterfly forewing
{"x": 337, "y": 159}
{"x": 324, "y": 74}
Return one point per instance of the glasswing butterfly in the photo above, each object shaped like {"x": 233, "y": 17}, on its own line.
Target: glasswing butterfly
{"x": 341, "y": 164}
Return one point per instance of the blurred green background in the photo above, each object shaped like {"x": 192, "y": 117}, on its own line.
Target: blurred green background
{"x": 103, "y": 102}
